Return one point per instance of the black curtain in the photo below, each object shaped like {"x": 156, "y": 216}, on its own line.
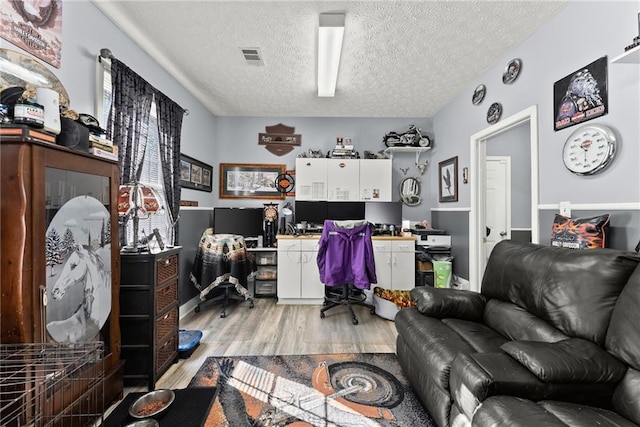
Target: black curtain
{"x": 170, "y": 117}
{"x": 127, "y": 127}
{"x": 129, "y": 119}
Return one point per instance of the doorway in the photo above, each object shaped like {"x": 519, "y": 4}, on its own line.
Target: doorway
{"x": 497, "y": 202}
{"x": 478, "y": 176}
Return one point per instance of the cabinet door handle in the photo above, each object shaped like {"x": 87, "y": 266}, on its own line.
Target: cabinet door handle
{"x": 167, "y": 262}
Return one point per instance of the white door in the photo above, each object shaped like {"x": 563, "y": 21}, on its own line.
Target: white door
{"x": 497, "y": 202}
{"x": 289, "y": 277}
{"x": 310, "y": 286}
{"x": 383, "y": 260}
{"x": 403, "y": 271}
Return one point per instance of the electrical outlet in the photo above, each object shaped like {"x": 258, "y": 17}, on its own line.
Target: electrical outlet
{"x": 565, "y": 209}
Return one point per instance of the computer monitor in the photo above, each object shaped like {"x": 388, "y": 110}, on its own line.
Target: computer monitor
{"x": 345, "y": 210}
{"x": 384, "y": 212}
{"x": 311, "y": 212}
{"x": 247, "y": 222}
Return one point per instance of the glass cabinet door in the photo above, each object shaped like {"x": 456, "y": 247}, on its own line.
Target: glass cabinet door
{"x": 77, "y": 255}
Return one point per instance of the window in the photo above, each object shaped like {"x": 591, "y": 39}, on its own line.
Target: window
{"x": 151, "y": 169}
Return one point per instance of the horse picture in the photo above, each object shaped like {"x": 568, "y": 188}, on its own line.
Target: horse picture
{"x": 78, "y": 259}
{"x": 86, "y": 271}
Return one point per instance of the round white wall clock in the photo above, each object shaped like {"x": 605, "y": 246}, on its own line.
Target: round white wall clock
{"x": 589, "y": 149}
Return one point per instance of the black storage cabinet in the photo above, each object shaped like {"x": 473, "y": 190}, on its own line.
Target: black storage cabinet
{"x": 149, "y": 314}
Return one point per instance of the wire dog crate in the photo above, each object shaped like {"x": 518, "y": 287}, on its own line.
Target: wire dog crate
{"x": 51, "y": 384}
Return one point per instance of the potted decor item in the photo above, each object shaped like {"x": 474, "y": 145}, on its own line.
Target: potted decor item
{"x": 388, "y": 302}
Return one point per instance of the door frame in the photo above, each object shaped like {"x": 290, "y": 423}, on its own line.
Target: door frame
{"x": 477, "y": 176}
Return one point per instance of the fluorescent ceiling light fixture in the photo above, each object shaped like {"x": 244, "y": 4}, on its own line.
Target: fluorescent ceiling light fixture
{"x": 330, "y": 33}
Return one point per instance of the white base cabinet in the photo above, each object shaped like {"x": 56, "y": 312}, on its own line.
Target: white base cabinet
{"x": 395, "y": 264}
{"x": 298, "y": 275}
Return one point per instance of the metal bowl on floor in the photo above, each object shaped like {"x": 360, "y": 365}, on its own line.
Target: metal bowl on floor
{"x": 152, "y": 404}
{"x": 147, "y": 422}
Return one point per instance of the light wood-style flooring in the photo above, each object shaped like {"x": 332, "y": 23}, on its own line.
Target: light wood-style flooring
{"x": 272, "y": 329}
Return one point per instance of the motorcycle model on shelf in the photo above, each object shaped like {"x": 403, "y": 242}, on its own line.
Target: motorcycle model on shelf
{"x": 411, "y": 138}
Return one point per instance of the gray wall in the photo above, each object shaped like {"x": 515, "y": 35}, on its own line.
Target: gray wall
{"x": 85, "y": 30}
{"x": 549, "y": 55}
{"x": 456, "y": 223}
{"x": 238, "y": 143}
{"x": 192, "y": 223}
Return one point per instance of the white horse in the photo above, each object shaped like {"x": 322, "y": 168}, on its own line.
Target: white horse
{"x": 84, "y": 268}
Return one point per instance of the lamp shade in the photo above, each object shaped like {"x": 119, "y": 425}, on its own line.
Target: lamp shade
{"x": 137, "y": 197}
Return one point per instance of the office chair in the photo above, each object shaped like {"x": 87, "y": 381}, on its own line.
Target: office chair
{"x": 346, "y": 264}
{"x": 220, "y": 270}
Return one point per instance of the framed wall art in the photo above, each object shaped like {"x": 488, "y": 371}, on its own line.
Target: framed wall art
{"x": 250, "y": 181}
{"x": 448, "y": 180}
{"x": 581, "y": 96}
{"x": 195, "y": 174}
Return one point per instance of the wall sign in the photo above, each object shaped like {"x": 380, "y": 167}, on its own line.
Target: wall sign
{"x": 581, "y": 96}
{"x": 35, "y": 26}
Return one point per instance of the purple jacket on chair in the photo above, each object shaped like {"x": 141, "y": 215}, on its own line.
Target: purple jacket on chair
{"x": 345, "y": 255}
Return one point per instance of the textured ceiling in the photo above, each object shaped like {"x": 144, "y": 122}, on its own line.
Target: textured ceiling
{"x": 399, "y": 58}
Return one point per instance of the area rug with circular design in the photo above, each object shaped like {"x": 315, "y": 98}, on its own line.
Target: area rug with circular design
{"x": 366, "y": 389}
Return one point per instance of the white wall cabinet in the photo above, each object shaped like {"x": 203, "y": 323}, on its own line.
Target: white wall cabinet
{"x": 376, "y": 177}
{"x": 298, "y": 275}
{"x": 395, "y": 263}
{"x": 344, "y": 180}
{"x": 311, "y": 179}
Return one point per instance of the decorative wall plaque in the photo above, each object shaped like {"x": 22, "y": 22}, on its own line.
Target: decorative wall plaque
{"x": 279, "y": 139}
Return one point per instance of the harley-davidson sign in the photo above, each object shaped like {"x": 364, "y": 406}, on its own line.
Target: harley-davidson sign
{"x": 35, "y": 26}
{"x": 581, "y": 96}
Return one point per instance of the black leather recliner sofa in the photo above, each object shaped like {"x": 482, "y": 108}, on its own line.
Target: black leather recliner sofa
{"x": 553, "y": 338}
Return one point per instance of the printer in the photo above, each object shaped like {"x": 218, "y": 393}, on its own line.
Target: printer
{"x": 432, "y": 239}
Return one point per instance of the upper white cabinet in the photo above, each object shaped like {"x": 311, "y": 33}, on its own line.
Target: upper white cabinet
{"x": 376, "y": 180}
{"x": 344, "y": 180}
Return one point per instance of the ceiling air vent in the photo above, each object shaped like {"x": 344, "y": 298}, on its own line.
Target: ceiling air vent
{"x": 252, "y": 56}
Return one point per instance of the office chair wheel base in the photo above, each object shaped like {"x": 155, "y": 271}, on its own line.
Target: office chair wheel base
{"x": 354, "y": 321}
{"x": 251, "y": 304}
{"x": 197, "y": 309}
{"x": 321, "y": 315}
{"x": 223, "y": 314}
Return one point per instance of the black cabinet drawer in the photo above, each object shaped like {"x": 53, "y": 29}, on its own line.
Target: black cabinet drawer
{"x": 166, "y": 268}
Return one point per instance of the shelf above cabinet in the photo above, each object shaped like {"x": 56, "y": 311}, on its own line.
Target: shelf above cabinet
{"x": 417, "y": 150}
{"x": 632, "y": 56}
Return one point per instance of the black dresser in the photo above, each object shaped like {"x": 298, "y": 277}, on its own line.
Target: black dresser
{"x": 149, "y": 314}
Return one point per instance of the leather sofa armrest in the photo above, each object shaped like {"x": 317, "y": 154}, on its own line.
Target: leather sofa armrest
{"x": 449, "y": 303}
{"x": 572, "y": 360}
{"x": 475, "y": 377}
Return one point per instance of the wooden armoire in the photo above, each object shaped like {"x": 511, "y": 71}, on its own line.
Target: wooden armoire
{"x": 57, "y": 203}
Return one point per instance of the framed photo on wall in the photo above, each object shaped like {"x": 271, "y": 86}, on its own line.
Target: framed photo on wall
{"x": 448, "y": 180}
{"x": 250, "y": 181}
{"x": 195, "y": 174}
